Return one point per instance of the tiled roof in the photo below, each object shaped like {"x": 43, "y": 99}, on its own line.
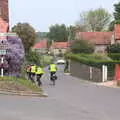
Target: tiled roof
{"x": 60, "y": 45}
{"x": 117, "y": 31}
{"x": 97, "y": 38}
{"x": 41, "y": 44}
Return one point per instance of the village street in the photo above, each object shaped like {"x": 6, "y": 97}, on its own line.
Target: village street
{"x": 70, "y": 99}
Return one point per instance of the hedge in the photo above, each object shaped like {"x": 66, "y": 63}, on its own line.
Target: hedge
{"x": 82, "y": 58}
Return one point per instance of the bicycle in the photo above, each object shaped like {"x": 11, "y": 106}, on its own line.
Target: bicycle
{"x": 53, "y": 78}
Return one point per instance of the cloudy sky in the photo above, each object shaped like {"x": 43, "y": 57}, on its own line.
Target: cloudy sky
{"x": 43, "y": 13}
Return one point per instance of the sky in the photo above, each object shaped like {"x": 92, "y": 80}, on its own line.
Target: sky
{"x": 41, "y": 14}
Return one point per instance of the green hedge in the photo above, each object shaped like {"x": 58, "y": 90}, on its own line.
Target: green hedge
{"x": 83, "y": 58}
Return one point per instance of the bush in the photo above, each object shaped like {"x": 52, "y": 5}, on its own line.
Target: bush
{"x": 114, "y": 51}
{"x": 85, "y": 59}
{"x": 32, "y": 57}
{"x": 82, "y": 46}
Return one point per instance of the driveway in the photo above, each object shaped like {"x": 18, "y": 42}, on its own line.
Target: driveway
{"x": 70, "y": 99}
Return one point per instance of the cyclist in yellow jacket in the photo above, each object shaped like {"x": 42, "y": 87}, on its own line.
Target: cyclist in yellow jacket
{"x": 39, "y": 73}
{"x": 53, "y": 69}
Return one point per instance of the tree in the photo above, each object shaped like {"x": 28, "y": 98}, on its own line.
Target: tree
{"x": 82, "y": 24}
{"x": 82, "y": 46}
{"x": 27, "y": 34}
{"x": 95, "y": 20}
{"x": 40, "y": 36}
{"x": 71, "y": 32}
{"x": 116, "y": 15}
{"x": 117, "y": 12}
{"x": 58, "y": 33}
{"x": 111, "y": 26}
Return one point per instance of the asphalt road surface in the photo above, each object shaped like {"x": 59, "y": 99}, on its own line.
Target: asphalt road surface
{"x": 70, "y": 99}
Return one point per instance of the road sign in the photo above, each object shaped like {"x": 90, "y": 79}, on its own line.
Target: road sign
{"x": 3, "y": 46}
{"x": 3, "y": 52}
{"x": 7, "y": 34}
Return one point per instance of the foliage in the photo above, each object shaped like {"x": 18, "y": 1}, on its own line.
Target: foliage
{"x": 15, "y": 55}
{"x": 114, "y": 48}
{"x": 84, "y": 59}
{"x": 117, "y": 11}
{"x": 27, "y": 34}
{"x": 58, "y": 33}
{"x": 45, "y": 60}
{"x": 94, "y": 20}
{"x": 66, "y": 69}
{"x": 111, "y": 26}
{"x": 40, "y": 36}
{"x": 71, "y": 32}
{"x": 82, "y": 46}
{"x": 32, "y": 57}
{"x": 49, "y": 42}
{"x": 82, "y": 24}
{"x": 114, "y": 51}
{"x": 23, "y": 70}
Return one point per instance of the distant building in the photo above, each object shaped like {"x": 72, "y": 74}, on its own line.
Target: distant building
{"x": 41, "y": 47}
{"x": 117, "y": 33}
{"x": 101, "y": 39}
{"x": 59, "y": 47}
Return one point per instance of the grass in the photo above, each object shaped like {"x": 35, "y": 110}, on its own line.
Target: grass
{"x": 14, "y": 83}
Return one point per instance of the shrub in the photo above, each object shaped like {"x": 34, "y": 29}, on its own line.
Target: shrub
{"x": 85, "y": 59}
{"x": 32, "y": 57}
{"x": 114, "y": 51}
{"x": 82, "y": 46}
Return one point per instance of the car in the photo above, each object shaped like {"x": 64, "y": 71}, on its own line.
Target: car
{"x": 61, "y": 61}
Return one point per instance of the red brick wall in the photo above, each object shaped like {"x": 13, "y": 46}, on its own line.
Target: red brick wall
{"x": 3, "y": 25}
{"x": 4, "y": 12}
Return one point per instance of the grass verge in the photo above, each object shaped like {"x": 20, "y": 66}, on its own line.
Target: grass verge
{"x": 18, "y": 84}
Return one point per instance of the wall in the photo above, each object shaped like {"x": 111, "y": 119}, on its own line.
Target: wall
{"x": 4, "y": 10}
{"x": 83, "y": 72}
{"x": 100, "y": 48}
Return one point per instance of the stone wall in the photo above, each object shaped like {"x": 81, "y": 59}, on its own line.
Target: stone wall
{"x": 83, "y": 72}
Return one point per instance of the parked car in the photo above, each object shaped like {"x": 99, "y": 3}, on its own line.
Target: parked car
{"x": 61, "y": 61}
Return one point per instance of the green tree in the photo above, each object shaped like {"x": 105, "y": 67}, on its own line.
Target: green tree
{"x": 40, "y": 36}
{"x": 111, "y": 26}
{"x": 27, "y": 34}
{"x": 94, "y": 20}
{"x": 82, "y": 46}
{"x": 58, "y": 33}
{"x": 82, "y": 24}
{"x": 71, "y": 32}
{"x": 98, "y": 19}
{"x": 116, "y": 15}
{"x": 117, "y": 12}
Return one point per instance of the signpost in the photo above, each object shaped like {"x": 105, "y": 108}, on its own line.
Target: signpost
{"x": 3, "y": 49}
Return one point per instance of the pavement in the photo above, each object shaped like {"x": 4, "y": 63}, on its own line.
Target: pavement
{"x": 70, "y": 99}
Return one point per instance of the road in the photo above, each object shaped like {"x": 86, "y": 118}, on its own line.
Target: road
{"x": 70, "y": 99}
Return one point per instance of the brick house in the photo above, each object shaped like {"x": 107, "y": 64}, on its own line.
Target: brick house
{"x": 117, "y": 33}
{"x": 41, "y": 47}
{"x": 3, "y": 26}
{"x": 4, "y": 12}
{"x": 59, "y": 47}
{"x": 101, "y": 39}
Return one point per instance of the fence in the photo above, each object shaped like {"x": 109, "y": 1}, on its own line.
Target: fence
{"x": 85, "y": 72}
